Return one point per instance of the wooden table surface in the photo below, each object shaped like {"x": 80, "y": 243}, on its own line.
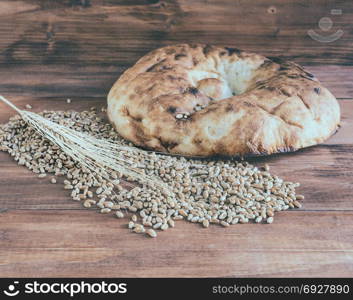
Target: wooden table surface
{"x": 54, "y": 50}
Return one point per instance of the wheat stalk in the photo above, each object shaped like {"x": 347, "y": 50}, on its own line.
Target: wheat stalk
{"x": 99, "y": 156}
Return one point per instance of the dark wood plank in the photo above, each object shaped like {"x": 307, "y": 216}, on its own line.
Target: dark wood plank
{"x": 52, "y": 48}
{"x": 77, "y": 49}
{"x": 67, "y": 244}
{"x": 324, "y": 171}
{"x": 37, "y": 31}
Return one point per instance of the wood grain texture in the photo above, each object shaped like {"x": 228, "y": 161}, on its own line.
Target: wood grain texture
{"x": 54, "y": 50}
{"x": 118, "y": 32}
{"x": 44, "y": 233}
{"x": 79, "y": 48}
{"x": 302, "y": 244}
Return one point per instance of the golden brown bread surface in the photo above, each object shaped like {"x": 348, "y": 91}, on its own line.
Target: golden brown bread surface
{"x": 204, "y": 100}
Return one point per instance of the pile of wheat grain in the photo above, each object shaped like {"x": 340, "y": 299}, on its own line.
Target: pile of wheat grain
{"x": 224, "y": 192}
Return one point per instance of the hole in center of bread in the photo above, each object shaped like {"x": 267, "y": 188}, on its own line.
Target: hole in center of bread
{"x": 215, "y": 88}
{"x": 225, "y": 80}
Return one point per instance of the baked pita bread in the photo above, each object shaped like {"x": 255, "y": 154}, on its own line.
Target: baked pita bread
{"x": 203, "y": 100}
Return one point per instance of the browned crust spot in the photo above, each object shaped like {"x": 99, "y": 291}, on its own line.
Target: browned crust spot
{"x": 207, "y": 49}
{"x": 285, "y": 92}
{"x": 195, "y": 61}
{"x": 171, "y": 109}
{"x": 266, "y": 63}
{"x": 229, "y": 107}
{"x": 167, "y": 145}
{"x": 156, "y": 65}
{"x": 232, "y": 51}
{"x": 277, "y": 60}
{"x": 248, "y": 104}
{"x": 317, "y": 90}
{"x": 192, "y": 90}
{"x": 304, "y": 101}
{"x": 179, "y": 56}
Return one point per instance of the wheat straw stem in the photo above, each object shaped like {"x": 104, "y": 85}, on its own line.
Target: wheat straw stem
{"x": 96, "y": 155}
{"x": 24, "y": 113}
{"x": 3, "y": 99}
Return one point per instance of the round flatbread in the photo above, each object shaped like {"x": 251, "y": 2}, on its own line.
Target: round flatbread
{"x": 204, "y": 100}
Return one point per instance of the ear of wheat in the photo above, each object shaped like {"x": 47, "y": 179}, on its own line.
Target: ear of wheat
{"x": 99, "y": 156}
